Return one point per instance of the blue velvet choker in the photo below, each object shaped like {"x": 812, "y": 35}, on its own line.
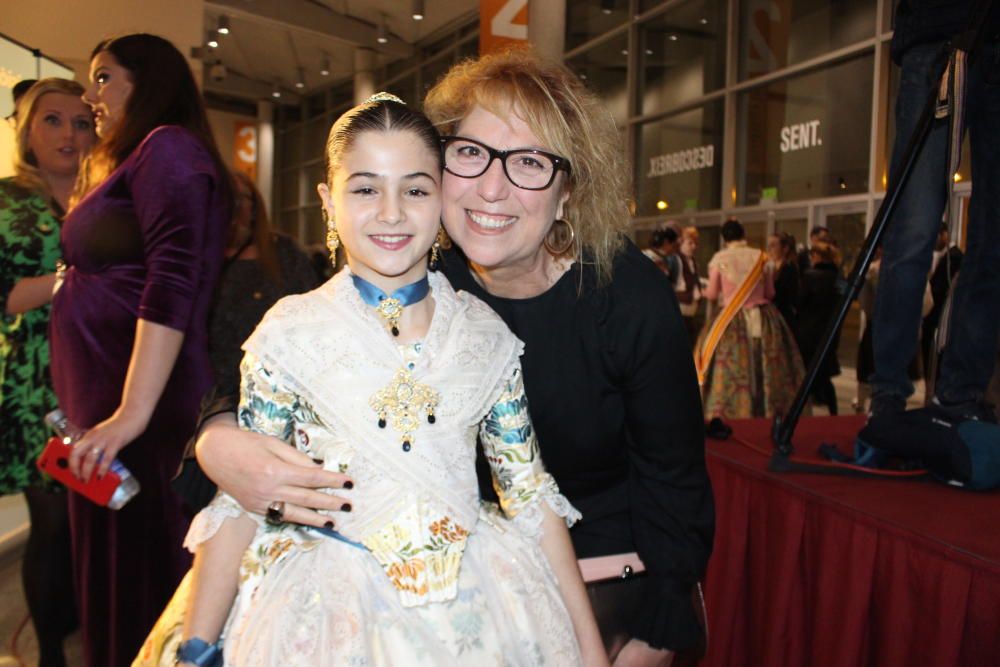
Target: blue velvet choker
{"x": 390, "y": 306}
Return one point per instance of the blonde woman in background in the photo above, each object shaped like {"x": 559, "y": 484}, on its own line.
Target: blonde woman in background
{"x": 55, "y": 130}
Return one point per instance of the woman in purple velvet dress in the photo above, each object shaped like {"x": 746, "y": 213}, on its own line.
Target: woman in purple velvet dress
{"x": 143, "y": 247}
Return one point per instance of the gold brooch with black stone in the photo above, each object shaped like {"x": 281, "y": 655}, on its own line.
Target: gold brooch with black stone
{"x": 401, "y": 403}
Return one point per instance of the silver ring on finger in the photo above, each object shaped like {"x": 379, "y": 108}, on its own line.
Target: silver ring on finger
{"x": 275, "y": 515}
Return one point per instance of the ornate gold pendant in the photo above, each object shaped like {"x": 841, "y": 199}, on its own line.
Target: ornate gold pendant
{"x": 391, "y": 309}
{"x": 401, "y": 402}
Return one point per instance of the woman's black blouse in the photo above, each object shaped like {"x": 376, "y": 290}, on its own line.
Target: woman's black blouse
{"x": 614, "y": 399}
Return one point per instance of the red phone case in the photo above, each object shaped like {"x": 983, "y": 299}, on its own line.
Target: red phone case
{"x": 54, "y": 461}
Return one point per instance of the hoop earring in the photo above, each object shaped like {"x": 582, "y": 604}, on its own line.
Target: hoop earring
{"x": 560, "y": 238}
{"x": 332, "y": 239}
{"x": 442, "y": 241}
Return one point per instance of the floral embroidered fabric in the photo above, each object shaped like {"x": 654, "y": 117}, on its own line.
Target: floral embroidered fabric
{"x": 441, "y": 580}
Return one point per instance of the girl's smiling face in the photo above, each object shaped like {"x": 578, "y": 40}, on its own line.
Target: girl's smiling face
{"x": 385, "y": 200}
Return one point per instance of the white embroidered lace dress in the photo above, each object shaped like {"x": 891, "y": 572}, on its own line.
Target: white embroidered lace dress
{"x": 439, "y": 580}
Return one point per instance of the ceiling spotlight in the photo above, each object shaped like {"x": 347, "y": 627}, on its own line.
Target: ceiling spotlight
{"x": 324, "y": 68}
{"x": 211, "y": 42}
{"x": 418, "y": 10}
{"x": 607, "y": 6}
{"x": 649, "y": 52}
{"x": 382, "y": 36}
{"x": 703, "y": 21}
{"x": 672, "y": 38}
{"x": 300, "y": 82}
{"x": 624, "y": 52}
{"x": 276, "y": 91}
{"x": 223, "y": 27}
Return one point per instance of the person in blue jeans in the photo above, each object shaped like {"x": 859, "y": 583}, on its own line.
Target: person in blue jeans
{"x": 922, "y": 31}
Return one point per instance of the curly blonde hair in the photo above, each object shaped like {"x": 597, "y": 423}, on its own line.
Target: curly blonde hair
{"x": 26, "y": 172}
{"x": 569, "y": 119}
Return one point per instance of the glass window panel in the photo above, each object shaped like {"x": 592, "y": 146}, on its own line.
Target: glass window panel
{"x": 680, "y": 162}
{"x": 289, "y": 188}
{"x": 288, "y": 114}
{"x": 467, "y": 49}
{"x": 604, "y": 69}
{"x": 888, "y": 18}
{"x": 316, "y": 131}
{"x": 434, "y": 48}
{"x": 709, "y": 243}
{"x": 587, "y": 19}
{"x": 797, "y": 228}
{"x": 682, "y": 54}
{"x": 315, "y": 227}
{"x": 314, "y": 176}
{"x": 430, "y": 75}
{"x": 291, "y": 146}
{"x": 645, "y": 5}
{"x": 316, "y": 104}
{"x": 777, "y": 33}
{"x": 397, "y": 67}
{"x": 342, "y": 96}
{"x": 756, "y": 233}
{"x": 405, "y": 88}
{"x": 847, "y": 230}
{"x": 289, "y": 223}
{"x": 806, "y": 136}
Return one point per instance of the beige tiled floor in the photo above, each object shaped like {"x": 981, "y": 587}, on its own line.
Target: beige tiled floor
{"x": 13, "y": 613}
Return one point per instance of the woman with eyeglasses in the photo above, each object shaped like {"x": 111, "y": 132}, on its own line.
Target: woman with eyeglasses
{"x": 535, "y": 198}
{"x": 55, "y": 129}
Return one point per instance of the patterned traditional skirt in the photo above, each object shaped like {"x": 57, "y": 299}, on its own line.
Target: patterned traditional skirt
{"x": 756, "y": 369}
{"x": 333, "y": 606}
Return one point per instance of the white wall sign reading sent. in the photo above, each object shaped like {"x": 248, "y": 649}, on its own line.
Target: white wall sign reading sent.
{"x": 800, "y": 135}
{"x": 691, "y": 159}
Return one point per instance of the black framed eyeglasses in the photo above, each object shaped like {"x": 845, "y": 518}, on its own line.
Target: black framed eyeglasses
{"x": 527, "y": 168}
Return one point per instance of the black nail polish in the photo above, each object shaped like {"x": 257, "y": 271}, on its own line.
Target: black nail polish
{"x": 346, "y": 507}
{"x": 348, "y": 485}
{"x": 328, "y": 525}
{"x": 318, "y": 461}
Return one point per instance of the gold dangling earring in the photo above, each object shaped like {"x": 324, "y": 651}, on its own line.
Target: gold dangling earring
{"x": 560, "y": 238}
{"x": 332, "y": 239}
{"x": 441, "y": 241}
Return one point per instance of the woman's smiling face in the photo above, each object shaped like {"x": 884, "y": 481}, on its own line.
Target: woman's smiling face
{"x": 496, "y": 223}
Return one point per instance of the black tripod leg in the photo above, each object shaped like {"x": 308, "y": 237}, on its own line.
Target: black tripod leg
{"x": 784, "y": 426}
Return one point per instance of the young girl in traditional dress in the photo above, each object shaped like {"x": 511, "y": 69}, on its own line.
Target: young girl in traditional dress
{"x": 388, "y": 376}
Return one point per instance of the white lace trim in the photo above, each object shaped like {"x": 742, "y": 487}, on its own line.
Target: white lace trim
{"x": 208, "y": 521}
{"x": 529, "y": 520}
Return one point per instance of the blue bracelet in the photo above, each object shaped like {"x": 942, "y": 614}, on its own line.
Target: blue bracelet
{"x": 199, "y": 652}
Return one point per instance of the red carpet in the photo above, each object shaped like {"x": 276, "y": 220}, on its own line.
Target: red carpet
{"x": 824, "y": 570}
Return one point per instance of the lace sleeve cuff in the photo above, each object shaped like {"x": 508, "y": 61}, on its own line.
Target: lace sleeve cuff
{"x": 206, "y": 523}
{"x": 529, "y": 520}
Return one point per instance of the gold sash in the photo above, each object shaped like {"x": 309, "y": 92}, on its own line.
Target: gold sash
{"x": 704, "y": 352}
